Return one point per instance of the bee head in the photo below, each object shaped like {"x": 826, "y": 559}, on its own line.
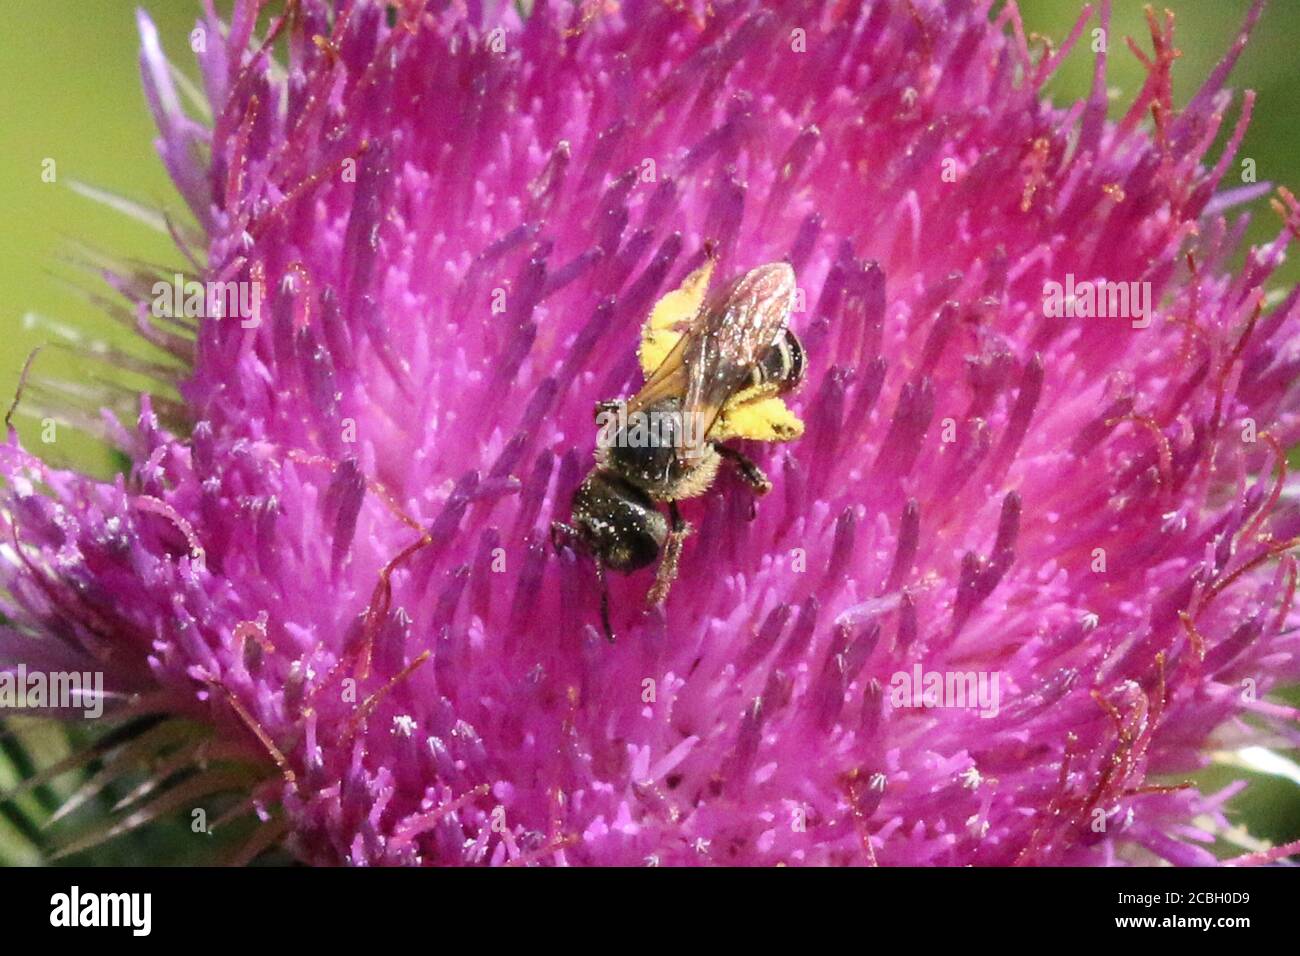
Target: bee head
{"x": 618, "y": 522}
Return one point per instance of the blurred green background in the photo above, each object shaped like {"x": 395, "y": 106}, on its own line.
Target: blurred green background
{"x": 70, "y": 92}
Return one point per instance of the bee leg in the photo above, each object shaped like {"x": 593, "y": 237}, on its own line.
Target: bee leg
{"x": 606, "y": 406}
{"x": 749, "y": 472}
{"x": 667, "y": 571}
{"x": 604, "y": 602}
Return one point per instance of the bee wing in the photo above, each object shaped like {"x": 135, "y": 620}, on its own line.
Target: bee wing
{"x": 716, "y": 356}
{"x": 665, "y": 339}
{"x": 721, "y": 352}
{"x": 668, "y": 380}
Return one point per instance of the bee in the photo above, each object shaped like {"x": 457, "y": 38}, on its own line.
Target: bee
{"x": 715, "y": 369}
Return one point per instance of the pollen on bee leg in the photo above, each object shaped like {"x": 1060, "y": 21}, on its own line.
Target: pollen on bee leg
{"x": 666, "y": 573}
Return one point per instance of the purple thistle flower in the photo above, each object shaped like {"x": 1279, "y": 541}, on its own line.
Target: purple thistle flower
{"x": 334, "y": 548}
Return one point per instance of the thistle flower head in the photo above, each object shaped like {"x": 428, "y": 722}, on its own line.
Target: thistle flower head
{"x": 1068, "y": 509}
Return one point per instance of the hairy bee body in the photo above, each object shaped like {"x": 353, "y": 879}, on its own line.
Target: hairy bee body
{"x": 713, "y": 372}
{"x": 623, "y": 517}
{"x": 646, "y": 454}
